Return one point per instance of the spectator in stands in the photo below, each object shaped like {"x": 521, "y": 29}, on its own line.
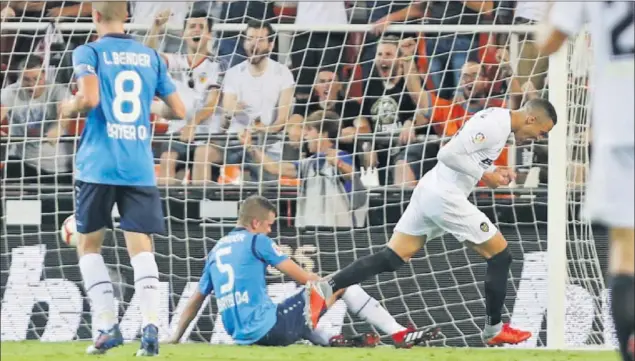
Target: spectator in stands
{"x": 377, "y": 10}
{"x": 258, "y": 95}
{"x": 174, "y": 12}
{"x": 328, "y": 95}
{"x": 393, "y": 101}
{"x": 312, "y": 49}
{"x": 230, "y": 45}
{"x": 30, "y": 107}
{"x": 330, "y": 188}
{"x": 447, "y": 52}
{"x": 198, "y": 76}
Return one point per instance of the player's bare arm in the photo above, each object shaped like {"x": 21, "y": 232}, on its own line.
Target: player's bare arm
{"x": 194, "y": 304}
{"x": 550, "y": 39}
{"x": 86, "y": 98}
{"x": 297, "y": 273}
{"x": 170, "y": 107}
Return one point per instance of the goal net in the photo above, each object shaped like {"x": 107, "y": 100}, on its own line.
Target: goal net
{"x": 323, "y": 225}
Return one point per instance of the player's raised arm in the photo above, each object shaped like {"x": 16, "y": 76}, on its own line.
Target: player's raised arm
{"x": 87, "y": 97}
{"x": 563, "y": 19}
{"x": 267, "y": 250}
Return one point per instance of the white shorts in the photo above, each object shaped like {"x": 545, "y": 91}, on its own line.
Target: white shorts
{"x": 609, "y": 196}
{"x": 433, "y": 214}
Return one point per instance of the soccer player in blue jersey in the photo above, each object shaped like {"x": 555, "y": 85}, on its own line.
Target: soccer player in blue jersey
{"x": 118, "y": 79}
{"x": 235, "y": 271}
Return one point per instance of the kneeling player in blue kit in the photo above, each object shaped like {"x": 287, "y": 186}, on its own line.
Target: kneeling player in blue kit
{"x": 235, "y": 270}
{"x": 117, "y": 79}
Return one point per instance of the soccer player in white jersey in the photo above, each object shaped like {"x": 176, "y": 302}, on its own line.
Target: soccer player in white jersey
{"x": 439, "y": 205}
{"x": 198, "y": 78}
{"x": 610, "y": 188}
{"x": 117, "y": 78}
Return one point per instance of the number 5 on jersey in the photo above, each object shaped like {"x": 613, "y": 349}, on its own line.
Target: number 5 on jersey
{"x": 226, "y": 269}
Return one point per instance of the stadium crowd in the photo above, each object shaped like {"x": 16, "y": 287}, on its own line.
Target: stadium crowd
{"x": 267, "y": 106}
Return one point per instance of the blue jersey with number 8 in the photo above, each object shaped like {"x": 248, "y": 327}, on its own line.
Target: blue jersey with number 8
{"x": 235, "y": 270}
{"x": 115, "y": 146}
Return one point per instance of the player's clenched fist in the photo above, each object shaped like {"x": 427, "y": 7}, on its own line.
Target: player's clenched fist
{"x": 499, "y": 177}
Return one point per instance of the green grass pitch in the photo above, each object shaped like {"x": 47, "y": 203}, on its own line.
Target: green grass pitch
{"x": 74, "y": 351}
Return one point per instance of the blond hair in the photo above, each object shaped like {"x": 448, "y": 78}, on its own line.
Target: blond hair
{"x": 255, "y": 208}
{"x": 112, "y": 10}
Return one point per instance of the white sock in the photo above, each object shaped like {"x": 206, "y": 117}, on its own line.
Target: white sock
{"x": 361, "y": 304}
{"x": 146, "y": 286}
{"x": 99, "y": 290}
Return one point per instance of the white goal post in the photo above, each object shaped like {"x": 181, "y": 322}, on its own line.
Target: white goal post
{"x": 562, "y": 218}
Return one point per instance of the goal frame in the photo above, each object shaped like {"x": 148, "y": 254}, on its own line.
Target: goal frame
{"x": 557, "y": 161}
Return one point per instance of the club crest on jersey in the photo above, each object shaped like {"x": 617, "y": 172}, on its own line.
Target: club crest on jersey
{"x": 478, "y": 138}
{"x": 202, "y": 78}
{"x": 484, "y": 227}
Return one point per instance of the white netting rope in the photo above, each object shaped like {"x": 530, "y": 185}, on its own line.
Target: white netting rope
{"x": 441, "y": 286}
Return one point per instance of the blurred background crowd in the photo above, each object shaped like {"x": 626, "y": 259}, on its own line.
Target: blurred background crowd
{"x": 325, "y": 108}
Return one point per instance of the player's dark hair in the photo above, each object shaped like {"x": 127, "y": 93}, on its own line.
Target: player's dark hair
{"x": 255, "y": 207}
{"x": 259, "y": 24}
{"x": 325, "y": 122}
{"x": 544, "y": 106}
{"x": 31, "y": 62}
{"x": 197, "y": 14}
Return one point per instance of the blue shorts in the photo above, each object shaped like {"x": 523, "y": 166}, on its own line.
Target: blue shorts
{"x": 290, "y": 326}
{"x": 139, "y": 207}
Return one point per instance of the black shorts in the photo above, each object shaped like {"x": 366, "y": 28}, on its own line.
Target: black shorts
{"x": 139, "y": 207}
{"x": 290, "y": 326}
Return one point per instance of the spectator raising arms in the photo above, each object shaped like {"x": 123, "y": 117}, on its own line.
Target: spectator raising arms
{"x": 392, "y": 96}
{"x": 447, "y": 51}
{"x": 330, "y": 187}
{"x": 257, "y": 94}
{"x": 31, "y": 107}
{"x": 197, "y": 78}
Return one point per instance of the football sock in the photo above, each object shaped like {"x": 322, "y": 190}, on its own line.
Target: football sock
{"x": 361, "y": 304}
{"x": 99, "y": 290}
{"x": 146, "y": 284}
{"x": 384, "y": 261}
{"x": 496, "y": 285}
{"x": 322, "y": 334}
{"x": 623, "y": 310}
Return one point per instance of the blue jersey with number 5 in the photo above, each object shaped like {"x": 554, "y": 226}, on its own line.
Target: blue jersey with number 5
{"x": 235, "y": 270}
{"x": 115, "y": 146}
